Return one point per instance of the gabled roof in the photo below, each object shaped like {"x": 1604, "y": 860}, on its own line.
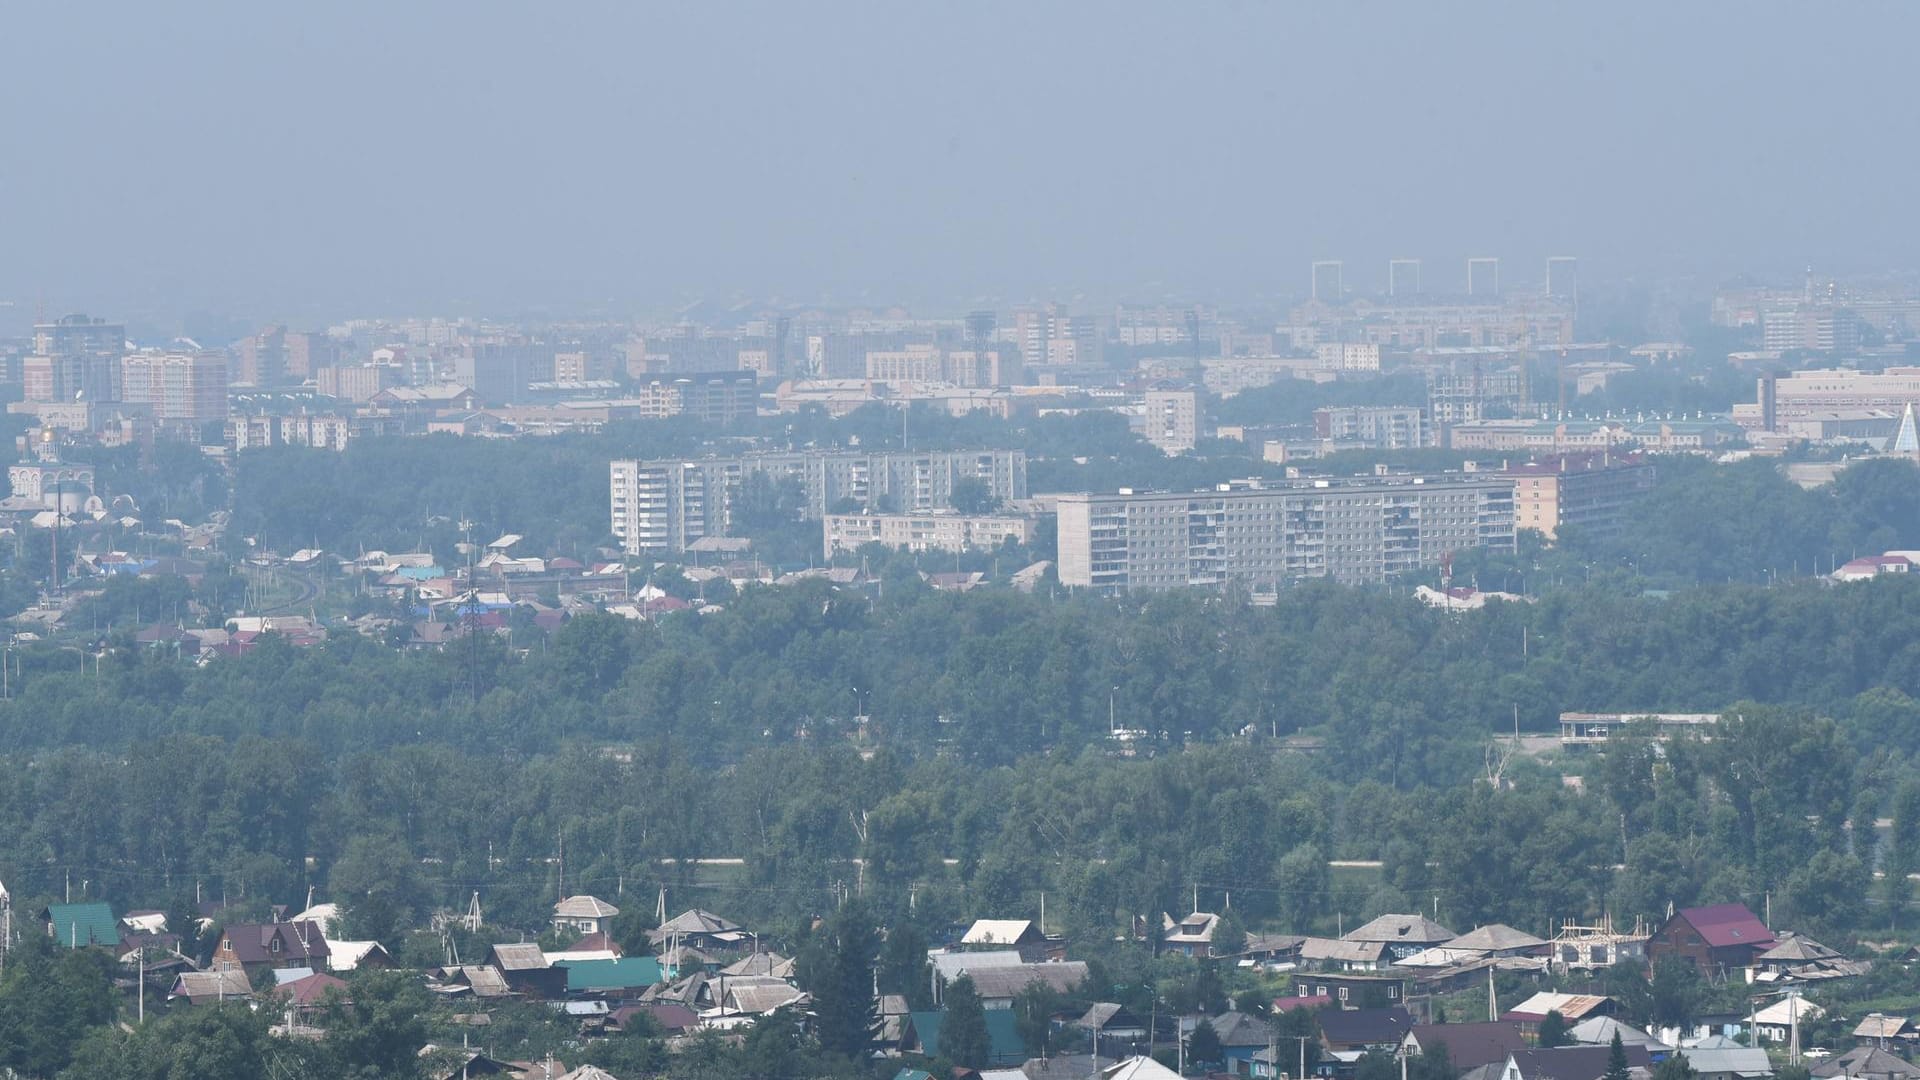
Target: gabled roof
{"x": 1600, "y": 1030}
{"x": 525, "y": 956}
{"x": 1882, "y": 1026}
{"x": 1236, "y": 1028}
{"x": 1402, "y": 929}
{"x": 312, "y": 989}
{"x": 950, "y": 966}
{"x": 1867, "y": 1061}
{"x": 1724, "y": 925}
{"x": 589, "y": 1072}
{"x": 1338, "y": 950}
{"x": 80, "y": 925}
{"x": 1572, "y": 1007}
{"x": 348, "y": 955}
{"x": 1102, "y": 1015}
{"x": 999, "y": 932}
{"x": 1138, "y": 1068}
{"x": 253, "y": 943}
{"x": 761, "y": 998}
{"x": 762, "y": 963}
{"x": 672, "y": 1017}
{"x": 202, "y": 985}
{"x": 695, "y": 921}
{"x": 1495, "y": 937}
{"x": 1743, "y": 1061}
{"x": 1470, "y": 1046}
{"x": 484, "y": 980}
{"x": 1798, "y": 948}
{"x": 1783, "y": 1012}
{"x": 1007, "y": 982}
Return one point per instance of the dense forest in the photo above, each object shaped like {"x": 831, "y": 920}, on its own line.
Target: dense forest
{"x": 984, "y": 739}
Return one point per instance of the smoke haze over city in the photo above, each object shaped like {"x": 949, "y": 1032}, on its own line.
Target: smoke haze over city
{"x": 612, "y": 158}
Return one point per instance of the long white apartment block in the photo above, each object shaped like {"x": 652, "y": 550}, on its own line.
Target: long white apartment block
{"x": 1265, "y": 536}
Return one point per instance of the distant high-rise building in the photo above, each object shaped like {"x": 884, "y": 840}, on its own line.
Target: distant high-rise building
{"x": 1483, "y": 276}
{"x": 1563, "y": 277}
{"x": 308, "y": 352}
{"x": 185, "y": 390}
{"x": 1328, "y": 285}
{"x": 261, "y": 359}
{"x": 1403, "y": 277}
{"x": 74, "y": 357}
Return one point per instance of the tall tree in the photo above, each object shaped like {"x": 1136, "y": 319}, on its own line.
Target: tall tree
{"x": 1203, "y": 1045}
{"x": 375, "y": 1031}
{"x": 1617, "y": 1067}
{"x": 1675, "y": 992}
{"x": 963, "y": 1032}
{"x": 838, "y": 970}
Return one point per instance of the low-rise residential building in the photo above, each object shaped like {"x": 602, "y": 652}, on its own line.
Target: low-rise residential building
{"x": 1402, "y": 935}
{"x": 257, "y": 947}
{"x": 584, "y": 914}
{"x": 1715, "y": 939}
{"x": 930, "y": 531}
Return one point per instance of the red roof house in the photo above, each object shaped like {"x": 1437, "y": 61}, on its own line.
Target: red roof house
{"x": 1714, "y": 939}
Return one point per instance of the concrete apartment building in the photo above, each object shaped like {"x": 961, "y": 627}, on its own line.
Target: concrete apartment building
{"x": 926, "y": 363}
{"x": 1590, "y": 492}
{"x": 1356, "y": 531}
{"x": 713, "y": 397}
{"x": 931, "y": 531}
{"x": 1348, "y": 356}
{"x": 1381, "y": 427}
{"x": 74, "y": 357}
{"x": 184, "y": 389}
{"x": 1820, "y": 328}
{"x": 665, "y": 505}
{"x": 355, "y": 382}
{"x": 1173, "y": 420}
{"x": 1049, "y": 336}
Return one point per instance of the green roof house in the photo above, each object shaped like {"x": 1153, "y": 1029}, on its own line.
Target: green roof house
{"x": 1004, "y": 1045}
{"x": 78, "y": 925}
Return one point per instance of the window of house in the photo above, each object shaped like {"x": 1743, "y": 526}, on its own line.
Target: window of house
{"x": 1343, "y": 993}
{"x": 275, "y": 947}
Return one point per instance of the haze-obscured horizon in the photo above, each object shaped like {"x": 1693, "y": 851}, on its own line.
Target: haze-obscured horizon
{"x": 503, "y": 157}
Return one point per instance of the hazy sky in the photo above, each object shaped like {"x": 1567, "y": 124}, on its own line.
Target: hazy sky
{"x": 268, "y": 161}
